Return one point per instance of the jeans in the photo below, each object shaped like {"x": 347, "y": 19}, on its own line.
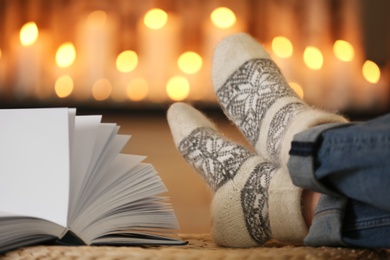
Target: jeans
{"x": 350, "y": 165}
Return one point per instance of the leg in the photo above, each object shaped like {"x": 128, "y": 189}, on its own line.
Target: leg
{"x": 352, "y": 223}
{"x": 366, "y": 226}
{"x": 256, "y": 97}
{"x": 244, "y": 185}
{"x": 238, "y": 178}
{"x": 310, "y": 201}
{"x": 355, "y": 161}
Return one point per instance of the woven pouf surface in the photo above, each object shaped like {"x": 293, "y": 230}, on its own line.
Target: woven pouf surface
{"x": 199, "y": 247}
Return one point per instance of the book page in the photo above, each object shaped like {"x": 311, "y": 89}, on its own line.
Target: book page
{"x": 130, "y": 204}
{"x": 34, "y": 167}
{"x": 83, "y": 142}
{"x": 14, "y": 230}
{"x": 106, "y": 132}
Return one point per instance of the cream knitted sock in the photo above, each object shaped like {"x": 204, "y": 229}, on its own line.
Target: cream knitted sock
{"x": 257, "y": 98}
{"x": 238, "y": 178}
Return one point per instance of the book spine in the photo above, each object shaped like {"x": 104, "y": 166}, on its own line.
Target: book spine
{"x": 70, "y": 239}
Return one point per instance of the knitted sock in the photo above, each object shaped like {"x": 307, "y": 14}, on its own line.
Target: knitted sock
{"x": 257, "y": 98}
{"x": 238, "y": 178}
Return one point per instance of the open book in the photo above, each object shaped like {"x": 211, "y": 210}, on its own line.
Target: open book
{"x": 64, "y": 180}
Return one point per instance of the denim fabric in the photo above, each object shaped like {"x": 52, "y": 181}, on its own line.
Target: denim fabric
{"x": 326, "y": 229}
{"x": 349, "y": 165}
{"x": 366, "y": 226}
{"x": 327, "y": 225}
{"x": 355, "y": 161}
{"x": 302, "y": 161}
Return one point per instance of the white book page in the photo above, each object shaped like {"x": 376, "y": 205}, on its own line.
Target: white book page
{"x": 6, "y": 214}
{"x": 106, "y": 132}
{"x": 85, "y": 136}
{"x": 111, "y": 152}
{"x": 34, "y": 163}
{"x": 131, "y": 204}
{"x": 114, "y": 176}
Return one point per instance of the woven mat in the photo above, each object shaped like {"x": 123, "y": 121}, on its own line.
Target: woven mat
{"x": 199, "y": 247}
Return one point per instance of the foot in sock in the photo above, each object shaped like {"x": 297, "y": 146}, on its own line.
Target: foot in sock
{"x": 256, "y": 97}
{"x": 238, "y": 178}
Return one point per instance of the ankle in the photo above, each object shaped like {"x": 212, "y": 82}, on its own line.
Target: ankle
{"x": 309, "y": 203}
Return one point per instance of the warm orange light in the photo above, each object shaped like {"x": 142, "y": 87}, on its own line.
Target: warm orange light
{"x": 155, "y": 19}
{"x": 66, "y": 55}
{"x": 282, "y": 47}
{"x": 102, "y": 89}
{"x": 371, "y": 72}
{"x": 64, "y": 86}
{"x": 1, "y": 54}
{"x": 343, "y": 50}
{"x": 297, "y": 88}
{"x": 137, "y": 89}
{"x": 127, "y": 61}
{"x": 178, "y": 88}
{"x": 313, "y": 58}
{"x": 190, "y": 62}
{"x": 28, "y": 34}
{"x": 97, "y": 19}
{"x": 223, "y": 17}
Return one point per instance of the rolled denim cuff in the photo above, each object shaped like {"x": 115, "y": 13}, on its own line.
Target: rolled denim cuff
{"x": 301, "y": 163}
{"x": 326, "y": 228}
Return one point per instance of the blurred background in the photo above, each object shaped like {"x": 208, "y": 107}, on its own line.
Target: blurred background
{"x": 127, "y": 53}
{"x": 129, "y": 60}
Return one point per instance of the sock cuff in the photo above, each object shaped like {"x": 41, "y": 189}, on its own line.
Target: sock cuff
{"x": 303, "y": 121}
{"x": 240, "y": 48}
{"x": 285, "y": 211}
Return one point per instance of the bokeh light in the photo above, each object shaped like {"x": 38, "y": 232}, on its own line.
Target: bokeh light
{"x": 313, "y": 58}
{"x": 63, "y": 86}
{"x": 190, "y": 62}
{"x": 137, "y": 89}
{"x": 297, "y": 88}
{"x": 282, "y": 47}
{"x": 223, "y": 17}
{"x": 127, "y": 61}
{"x": 66, "y": 55}
{"x": 371, "y": 72}
{"x": 343, "y": 50}
{"x": 97, "y": 19}
{"x": 155, "y": 19}
{"x": 101, "y": 90}
{"x": 28, "y": 34}
{"x": 178, "y": 88}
